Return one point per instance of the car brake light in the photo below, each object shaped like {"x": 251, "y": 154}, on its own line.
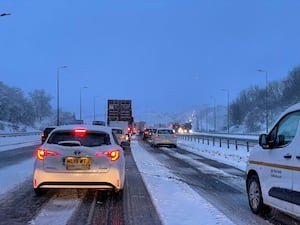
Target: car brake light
{"x": 174, "y": 136}
{"x": 42, "y": 153}
{"x": 113, "y": 154}
{"x": 156, "y": 136}
{"x": 122, "y": 136}
{"x": 80, "y": 131}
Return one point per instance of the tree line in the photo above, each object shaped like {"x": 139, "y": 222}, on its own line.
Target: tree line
{"x": 250, "y": 107}
{"x": 17, "y": 108}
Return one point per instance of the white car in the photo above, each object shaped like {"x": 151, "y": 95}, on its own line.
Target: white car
{"x": 121, "y": 137}
{"x": 164, "y": 137}
{"x": 273, "y": 168}
{"x": 79, "y": 156}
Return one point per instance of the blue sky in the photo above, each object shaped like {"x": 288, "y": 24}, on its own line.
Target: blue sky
{"x": 165, "y": 55}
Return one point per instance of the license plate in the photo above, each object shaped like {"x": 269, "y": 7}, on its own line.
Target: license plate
{"x": 166, "y": 141}
{"x": 78, "y": 163}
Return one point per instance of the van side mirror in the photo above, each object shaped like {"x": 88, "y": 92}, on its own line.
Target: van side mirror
{"x": 263, "y": 141}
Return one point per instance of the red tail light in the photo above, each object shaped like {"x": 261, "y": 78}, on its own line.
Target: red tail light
{"x": 114, "y": 155}
{"x": 42, "y": 153}
{"x": 174, "y": 136}
{"x": 80, "y": 131}
{"x": 156, "y": 136}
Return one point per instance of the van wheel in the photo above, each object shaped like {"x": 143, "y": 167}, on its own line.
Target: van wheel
{"x": 255, "y": 199}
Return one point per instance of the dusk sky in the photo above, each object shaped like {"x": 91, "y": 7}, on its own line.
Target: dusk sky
{"x": 165, "y": 55}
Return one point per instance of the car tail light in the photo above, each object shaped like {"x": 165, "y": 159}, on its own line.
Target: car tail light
{"x": 122, "y": 136}
{"x": 114, "y": 155}
{"x": 156, "y": 136}
{"x": 174, "y": 136}
{"x": 80, "y": 131}
{"x": 42, "y": 153}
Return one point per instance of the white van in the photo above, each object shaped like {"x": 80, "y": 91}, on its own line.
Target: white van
{"x": 273, "y": 168}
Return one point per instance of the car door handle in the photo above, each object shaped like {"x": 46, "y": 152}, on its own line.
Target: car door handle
{"x": 287, "y": 156}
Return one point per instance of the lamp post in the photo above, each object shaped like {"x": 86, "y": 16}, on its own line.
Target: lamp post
{"x": 215, "y": 114}
{"x": 95, "y": 106}
{"x": 266, "y": 99}
{"x": 81, "y": 102}
{"x": 227, "y": 108}
{"x": 57, "y": 88}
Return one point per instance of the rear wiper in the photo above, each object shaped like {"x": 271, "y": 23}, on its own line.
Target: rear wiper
{"x": 69, "y": 143}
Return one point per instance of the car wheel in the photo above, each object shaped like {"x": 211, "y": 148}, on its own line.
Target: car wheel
{"x": 39, "y": 191}
{"x": 255, "y": 199}
{"x": 118, "y": 195}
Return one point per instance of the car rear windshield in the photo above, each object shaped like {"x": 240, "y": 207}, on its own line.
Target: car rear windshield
{"x": 117, "y": 131}
{"x": 165, "y": 132}
{"x": 88, "y": 139}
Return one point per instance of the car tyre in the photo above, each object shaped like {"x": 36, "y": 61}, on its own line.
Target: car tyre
{"x": 255, "y": 199}
{"x": 39, "y": 191}
{"x": 118, "y": 195}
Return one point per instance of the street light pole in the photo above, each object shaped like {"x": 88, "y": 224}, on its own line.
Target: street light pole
{"x": 57, "y": 88}
{"x": 266, "y": 100}
{"x": 95, "y": 106}
{"x": 81, "y": 102}
{"x": 215, "y": 114}
{"x": 227, "y": 108}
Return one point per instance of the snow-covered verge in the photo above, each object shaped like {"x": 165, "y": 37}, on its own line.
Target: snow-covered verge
{"x": 175, "y": 201}
{"x": 7, "y": 143}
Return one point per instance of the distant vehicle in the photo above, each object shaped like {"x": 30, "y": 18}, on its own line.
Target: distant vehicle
{"x": 147, "y": 133}
{"x": 119, "y": 110}
{"x": 122, "y": 125}
{"x": 46, "y": 132}
{"x": 182, "y": 128}
{"x": 98, "y": 122}
{"x": 164, "y": 137}
{"x": 79, "y": 156}
{"x": 273, "y": 168}
{"x": 121, "y": 137}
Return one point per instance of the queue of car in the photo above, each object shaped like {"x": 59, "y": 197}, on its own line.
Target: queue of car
{"x": 90, "y": 156}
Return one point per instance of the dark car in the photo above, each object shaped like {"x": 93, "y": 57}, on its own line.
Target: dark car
{"x": 46, "y": 132}
{"x": 147, "y": 133}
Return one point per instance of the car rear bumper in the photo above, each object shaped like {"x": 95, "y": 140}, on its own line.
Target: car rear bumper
{"x": 165, "y": 142}
{"x": 114, "y": 179}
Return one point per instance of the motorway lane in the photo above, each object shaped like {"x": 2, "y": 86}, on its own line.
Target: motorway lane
{"x": 14, "y": 156}
{"x": 22, "y": 206}
{"x": 222, "y": 185}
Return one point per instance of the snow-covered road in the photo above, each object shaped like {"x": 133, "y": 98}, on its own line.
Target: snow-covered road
{"x": 175, "y": 201}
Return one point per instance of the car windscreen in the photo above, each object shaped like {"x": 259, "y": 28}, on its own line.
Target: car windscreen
{"x": 89, "y": 139}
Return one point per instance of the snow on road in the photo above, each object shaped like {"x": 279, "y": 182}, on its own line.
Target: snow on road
{"x": 175, "y": 201}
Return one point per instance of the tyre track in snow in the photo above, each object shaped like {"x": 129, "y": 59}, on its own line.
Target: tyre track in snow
{"x": 222, "y": 185}
{"x": 78, "y": 206}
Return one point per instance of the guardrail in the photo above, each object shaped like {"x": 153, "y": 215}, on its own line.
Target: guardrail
{"x": 219, "y": 140}
{"x": 19, "y": 134}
